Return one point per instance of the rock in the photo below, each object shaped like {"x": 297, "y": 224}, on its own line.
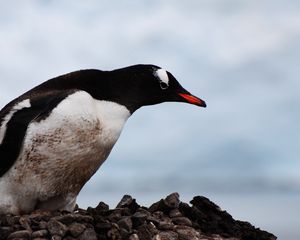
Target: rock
{"x": 102, "y": 207}
{"x": 125, "y": 201}
{"x": 3, "y": 219}
{"x": 165, "y": 225}
{"x": 5, "y": 232}
{"x": 56, "y": 237}
{"x": 69, "y": 238}
{"x": 187, "y": 233}
{"x": 43, "y": 225}
{"x": 76, "y": 229}
{"x": 172, "y": 201}
{"x": 167, "y": 219}
{"x": 25, "y": 223}
{"x": 125, "y": 223}
{"x": 56, "y": 228}
{"x": 24, "y": 234}
{"x": 115, "y": 215}
{"x": 166, "y": 205}
{"x": 159, "y": 206}
{"x": 175, "y": 213}
{"x": 89, "y": 234}
{"x": 12, "y": 220}
{"x": 84, "y": 218}
{"x": 103, "y": 226}
{"x": 182, "y": 221}
{"x": 133, "y": 237}
{"x": 128, "y": 202}
{"x": 39, "y": 215}
{"x": 40, "y": 233}
{"x": 139, "y": 217}
{"x": 114, "y": 232}
{"x": 167, "y": 235}
{"x": 65, "y": 219}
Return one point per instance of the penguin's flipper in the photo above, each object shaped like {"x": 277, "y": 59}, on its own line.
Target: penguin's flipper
{"x": 14, "y": 121}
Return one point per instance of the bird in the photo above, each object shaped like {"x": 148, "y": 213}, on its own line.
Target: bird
{"x": 54, "y": 137}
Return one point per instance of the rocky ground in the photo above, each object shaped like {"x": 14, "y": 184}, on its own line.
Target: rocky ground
{"x": 167, "y": 219}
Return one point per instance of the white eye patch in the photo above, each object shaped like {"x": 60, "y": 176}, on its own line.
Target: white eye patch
{"x": 162, "y": 75}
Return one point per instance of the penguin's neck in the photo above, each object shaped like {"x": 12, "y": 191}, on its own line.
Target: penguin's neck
{"x": 112, "y": 117}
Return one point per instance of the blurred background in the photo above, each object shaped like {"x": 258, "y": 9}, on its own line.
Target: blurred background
{"x": 242, "y": 57}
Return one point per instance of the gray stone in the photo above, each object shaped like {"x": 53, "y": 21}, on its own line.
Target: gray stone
{"x": 182, "y": 221}
{"x": 20, "y": 234}
{"x": 133, "y": 237}
{"x": 125, "y": 201}
{"x": 12, "y": 220}
{"x": 175, "y": 213}
{"x": 166, "y": 235}
{"x": 39, "y": 215}
{"x": 42, "y": 225}
{"x": 25, "y": 222}
{"x": 102, "y": 207}
{"x": 139, "y": 217}
{"x": 187, "y": 233}
{"x": 40, "y": 233}
{"x": 126, "y": 223}
{"x": 89, "y": 234}
{"x": 65, "y": 219}
{"x": 147, "y": 232}
{"x": 56, "y": 228}
{"x": 56, "y": 237}
{"x": 114, "y": 232}
{"x": 165, "y": 224}
{"x": 172, "y": 201}
{"x": 76, "y": 229}
{"x": 5, "y": 232}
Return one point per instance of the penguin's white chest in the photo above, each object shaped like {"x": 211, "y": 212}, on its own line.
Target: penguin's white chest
{"x": 61, "y": 152}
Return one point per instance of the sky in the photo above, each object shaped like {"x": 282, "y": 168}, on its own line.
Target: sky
{"x": 240, "y": 56}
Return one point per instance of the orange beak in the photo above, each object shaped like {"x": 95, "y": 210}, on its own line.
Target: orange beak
{"x": 192, "y": 99}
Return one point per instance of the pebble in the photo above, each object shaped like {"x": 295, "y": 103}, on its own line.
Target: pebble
{"x": 125, "y": 201}
{"x": 134, "y": 237}
{"x": 114, "y": 232}
{"x": 89, "y": 234}
{"x": 175, "y": 213}
{"x": 128, "y": 202}
{"x": 167, "y": 219}
{"x": 76, "y": 229}
{"x": 187, "y": 233}
{"x": 20, "y": 234}
{"x": 125, "y": 223}
{"x": 102, "y": 207}
{"x": 39, "y": 233}
{"x": 56, "y": 228}
{"x": 56, "y": 237}
{"x": 172, "y": 201}
{"x": 139, "y": 217}
{"x": 25, "y": 222}
{"x": 182, "y": 221}
{"x": 167, "y": 235}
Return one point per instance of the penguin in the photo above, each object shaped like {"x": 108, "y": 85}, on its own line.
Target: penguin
{"x": 54, "y": 137}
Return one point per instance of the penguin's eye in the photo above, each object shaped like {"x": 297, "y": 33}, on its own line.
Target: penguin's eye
{"x": 163, "y": 85}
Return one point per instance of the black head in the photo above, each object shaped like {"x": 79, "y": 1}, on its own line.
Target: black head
{"x": 142, "y": 85}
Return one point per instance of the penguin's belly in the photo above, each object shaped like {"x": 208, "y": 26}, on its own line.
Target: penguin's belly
{"x": 61, "y": 152}
{"x": 61, "y": 159}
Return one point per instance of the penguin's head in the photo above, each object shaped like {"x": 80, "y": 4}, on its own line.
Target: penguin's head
{"x": 150, "y": 84}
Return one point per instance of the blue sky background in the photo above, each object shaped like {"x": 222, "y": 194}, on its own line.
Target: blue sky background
{"x": 241, "y": 56}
